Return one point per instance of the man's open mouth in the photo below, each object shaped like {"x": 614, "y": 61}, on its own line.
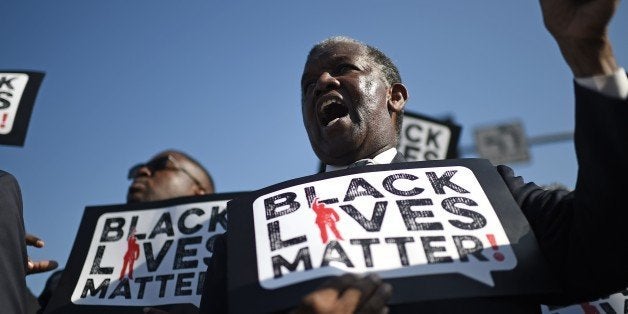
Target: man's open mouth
{"x": 331, "y": 110}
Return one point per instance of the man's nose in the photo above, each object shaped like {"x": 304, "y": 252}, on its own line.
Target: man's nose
{"x": 325, "y": 82}
{"x": 143, "y": 172}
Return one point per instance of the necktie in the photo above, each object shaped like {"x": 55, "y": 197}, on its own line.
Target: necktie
{"x": 362, "y": 163}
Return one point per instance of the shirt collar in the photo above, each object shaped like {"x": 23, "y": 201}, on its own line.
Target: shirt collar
{"x": 385, "y": 157}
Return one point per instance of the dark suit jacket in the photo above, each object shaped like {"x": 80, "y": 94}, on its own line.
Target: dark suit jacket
{"x": 13, "y": 256}
{"x": 581, "y": 233}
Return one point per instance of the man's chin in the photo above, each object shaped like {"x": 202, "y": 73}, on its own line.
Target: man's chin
{"x": 134, "y": 198}
{"x": 339, "y": 157}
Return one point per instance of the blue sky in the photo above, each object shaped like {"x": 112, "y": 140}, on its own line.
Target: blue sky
{"x": 220, "y": 80}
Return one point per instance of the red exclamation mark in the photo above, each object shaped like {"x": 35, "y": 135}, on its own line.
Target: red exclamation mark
{"x": 4, "y": 120}
{"x": 588, "y": 308}
{"x": 497, "y": 255}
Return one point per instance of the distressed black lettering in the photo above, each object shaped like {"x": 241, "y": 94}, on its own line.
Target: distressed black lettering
{"x": 303, "y": 256}
{"x": 217, "y": 218}
{"x": 5, "y": 80}
{"x": 438, "y": 183}
{"x": 432, "y": 138}
{"x": 431, "y": 155}
{"x": 401, "y": 248}
{"x": 139, "y": 236}
{"x": 409, "y": 133}
{"x": 274, "y": 237}
{"x": 288, "y": 200}
{"x": 4, "y": 102}
{"x": 310, "y": 194}
{"x": 431, "y": 250}
{"x": 89, "y": 288}
{"x": 372, "y": 225}
{"x": 96, "y": 268}
{"x": 164, "y": 283}
{"x": 412, "y": 153}
{"x": 390, "y": 187}
{"x": 341, "y": 256}
{"x": 153, "y": 263}
{"x": 360, "y": 187}
{"x": 181, "y": 223}
{"x": 366, "y": 249}
{"x": 464, "y": 250}
{"x": 142, "y": 281}
{"x": 449, "y": 204}
{"x": 112, "y": 230}
{"x": 182, "y": 283}
{"x": 122, "y": 289}
{"x": 163, "y": 225}
{"x": 182, "y": 252}
{"x": 200, "y": 283}
{"x": 409, "y": 216}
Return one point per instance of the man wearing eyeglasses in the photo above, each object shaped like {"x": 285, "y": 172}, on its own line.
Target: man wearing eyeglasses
{"x": 169, "y": 174}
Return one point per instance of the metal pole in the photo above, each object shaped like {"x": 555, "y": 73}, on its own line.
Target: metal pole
{"x": 535, "y": 140}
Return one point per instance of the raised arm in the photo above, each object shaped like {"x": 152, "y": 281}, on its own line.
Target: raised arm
{"x": 580, "y": 27}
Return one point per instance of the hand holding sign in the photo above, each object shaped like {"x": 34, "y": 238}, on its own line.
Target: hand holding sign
{"x": 348, "y": 294}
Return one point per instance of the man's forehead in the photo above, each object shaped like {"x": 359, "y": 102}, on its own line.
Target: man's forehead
{"x": 336, "y": 51}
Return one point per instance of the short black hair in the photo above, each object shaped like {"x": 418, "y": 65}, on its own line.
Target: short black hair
{"x": 388, "y": 67}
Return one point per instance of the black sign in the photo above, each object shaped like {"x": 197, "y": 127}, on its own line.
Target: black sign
{"x": 434, "y": 230}
{"x": 425, "y": 138}
{"x": 18, "y": 90}
{"x": 126, "y": 257}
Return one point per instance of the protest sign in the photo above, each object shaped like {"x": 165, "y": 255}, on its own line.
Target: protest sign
{"x": 615, "y": 303}
{"x": 503, "y": 143}
{"x": 18, "y": 90}
{"x": 425, "y": 138}
{"x": 126, "y": 257}
{"x": 434, "y": 230}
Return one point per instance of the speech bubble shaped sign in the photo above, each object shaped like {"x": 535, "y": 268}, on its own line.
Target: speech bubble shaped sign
{"x": 169, "y": 247}
{"x": 397, "y": 223}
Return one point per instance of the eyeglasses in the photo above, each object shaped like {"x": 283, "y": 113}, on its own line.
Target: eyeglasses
{"x": 161, "y": 163}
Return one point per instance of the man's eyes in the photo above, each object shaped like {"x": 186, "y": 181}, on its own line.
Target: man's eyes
{"x": 345, "y": 67}
{"x": 339, "y": 70}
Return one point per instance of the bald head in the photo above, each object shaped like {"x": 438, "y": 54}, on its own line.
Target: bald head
{"x": 168, "y": 174}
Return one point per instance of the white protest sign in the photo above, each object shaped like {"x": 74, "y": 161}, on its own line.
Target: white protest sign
{"x": 424, "y": 138}
{"x": 12, "y": 86}
{"x": 398, "y": 223}
{"x": 503, "y": 143}
{"x": 149, "y": 257}
{"x": 615, "y": 303}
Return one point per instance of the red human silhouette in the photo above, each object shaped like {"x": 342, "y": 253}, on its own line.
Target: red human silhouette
{"x": 132, "y": 254}
{"x": 326, "y": 217}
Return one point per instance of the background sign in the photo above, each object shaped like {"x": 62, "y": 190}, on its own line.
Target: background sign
{"x": 18, "y": 91}
{"x": 615, "y": 303}
{"x": 424, "y": 138}
{"x": 137, "y": 255}
{"x": 503, "y": 143}
{"x": 435, "y": 230}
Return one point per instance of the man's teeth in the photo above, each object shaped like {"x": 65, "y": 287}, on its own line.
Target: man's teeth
{"x": 329, "y": 102}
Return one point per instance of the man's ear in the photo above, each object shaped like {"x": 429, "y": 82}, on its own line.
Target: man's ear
{"x": 398, "y": 97}
{"x": 199, "y": 191}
